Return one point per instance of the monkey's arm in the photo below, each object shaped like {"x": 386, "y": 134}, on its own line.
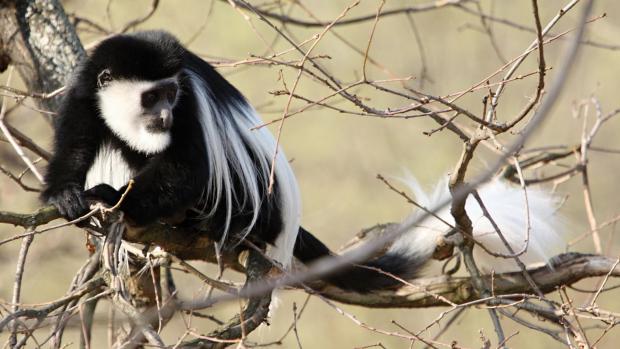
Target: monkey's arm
{"x": 75, "y": 145}
{"x": 169, "y": 183}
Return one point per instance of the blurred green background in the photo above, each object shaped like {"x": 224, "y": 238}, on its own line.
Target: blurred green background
{"x": 336, "y": 157}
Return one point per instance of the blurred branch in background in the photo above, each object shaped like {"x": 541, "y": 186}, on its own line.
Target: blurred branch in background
{"x": 132, "y": 268}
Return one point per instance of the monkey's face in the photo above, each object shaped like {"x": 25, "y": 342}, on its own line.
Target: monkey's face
{"x": 139, "y": 112}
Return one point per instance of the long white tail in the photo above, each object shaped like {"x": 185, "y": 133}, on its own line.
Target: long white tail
{"x": 534, "y": 225}
{"x": 531, "y": 223}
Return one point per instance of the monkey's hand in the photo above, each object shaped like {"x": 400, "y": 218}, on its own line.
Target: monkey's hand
{"x": 69, "y": 201}
{"x": 104, "y": 193}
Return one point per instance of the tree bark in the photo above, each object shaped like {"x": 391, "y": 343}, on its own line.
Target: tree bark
{"x": 38, "y": 39}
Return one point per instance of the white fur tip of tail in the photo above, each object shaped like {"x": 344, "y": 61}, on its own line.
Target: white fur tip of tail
{"x": 524, "y": 217}
{"x": 533, "y": 221}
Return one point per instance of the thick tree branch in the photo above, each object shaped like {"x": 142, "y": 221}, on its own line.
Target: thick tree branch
{"x": 567, "y": 269}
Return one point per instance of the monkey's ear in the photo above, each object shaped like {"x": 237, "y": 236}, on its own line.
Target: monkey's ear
{"x": 104, "y": 78}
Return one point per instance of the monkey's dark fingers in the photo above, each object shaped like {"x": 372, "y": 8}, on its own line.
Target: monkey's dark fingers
{"x": 69, "y": 203}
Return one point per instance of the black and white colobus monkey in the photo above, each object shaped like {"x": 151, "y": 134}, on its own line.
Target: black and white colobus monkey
{"x": 143, "y": 107}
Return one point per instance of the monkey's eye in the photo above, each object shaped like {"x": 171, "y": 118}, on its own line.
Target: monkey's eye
{"x": 149, "y": 99}
{"x": 171, "y": 95}
{"x": 104, "y": 78}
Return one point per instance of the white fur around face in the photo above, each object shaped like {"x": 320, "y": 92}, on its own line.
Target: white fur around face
{"x": 121, "y": 108}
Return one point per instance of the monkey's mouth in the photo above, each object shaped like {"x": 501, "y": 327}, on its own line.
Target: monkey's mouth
{"x": 156, "y": 129}
{"x": 158, "y": 124}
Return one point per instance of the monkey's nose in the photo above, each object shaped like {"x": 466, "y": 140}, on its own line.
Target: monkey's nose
{"x": 166, "y": 118}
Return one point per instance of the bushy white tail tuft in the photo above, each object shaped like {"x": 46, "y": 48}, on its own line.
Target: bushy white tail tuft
{"x": 506, "y": 204}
